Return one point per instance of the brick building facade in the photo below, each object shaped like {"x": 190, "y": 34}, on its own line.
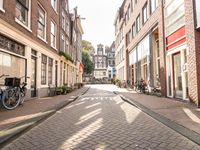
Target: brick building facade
{"x": 162, "y": 45}
{"x": 31, "y": 38}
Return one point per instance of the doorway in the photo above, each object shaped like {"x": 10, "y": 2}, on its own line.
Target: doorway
{"x": 178, "y": 89}
{"x": 33, "y": 76}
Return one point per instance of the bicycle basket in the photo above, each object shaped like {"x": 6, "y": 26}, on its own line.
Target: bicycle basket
{"x": 15, "y": 82}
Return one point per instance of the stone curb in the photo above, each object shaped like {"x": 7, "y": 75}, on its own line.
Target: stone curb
{"x": 190, "y": 134}
{"x": 17, "y": 130}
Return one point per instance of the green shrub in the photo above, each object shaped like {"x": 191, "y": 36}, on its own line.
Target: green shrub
{"x": 67, "y": 56}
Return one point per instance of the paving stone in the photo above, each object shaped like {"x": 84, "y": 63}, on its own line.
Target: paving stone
{"x": 111, "y": 125}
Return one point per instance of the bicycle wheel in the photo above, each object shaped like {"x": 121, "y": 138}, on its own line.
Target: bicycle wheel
{"x": 11, "y": 98}
{"x": 22, "y": 97}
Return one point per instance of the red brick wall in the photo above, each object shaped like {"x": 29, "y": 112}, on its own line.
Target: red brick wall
{"x": 9, "y": 17}
{"x": 193, "y": 38}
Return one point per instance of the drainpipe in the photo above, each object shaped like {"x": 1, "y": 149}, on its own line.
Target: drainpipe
{"x": 164, "y": 47}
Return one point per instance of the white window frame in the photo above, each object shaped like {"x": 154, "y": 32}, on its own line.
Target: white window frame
{"x": 63, "y": 43}
{"x": 1, "y": 6}
{"x": 145, "y": 14}
{"x": 54, "y": 4}
{"x": 154, "y": 5}
{"x": 28, "y": 26}
{"x": 63, "y": 21}
{"x": 138, "y": 24}
{"x": 55, "y": 32}
{"x": 45, "y": 24}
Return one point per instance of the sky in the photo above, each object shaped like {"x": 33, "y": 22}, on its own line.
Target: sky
{"x": 100, "y": 15}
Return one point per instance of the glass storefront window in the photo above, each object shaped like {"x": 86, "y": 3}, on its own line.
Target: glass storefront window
{"x": 8, "y": 65}
{"x": 173, "y": 6}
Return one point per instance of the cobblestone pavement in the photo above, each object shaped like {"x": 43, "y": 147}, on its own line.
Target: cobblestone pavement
{"x": 101, "y": 120}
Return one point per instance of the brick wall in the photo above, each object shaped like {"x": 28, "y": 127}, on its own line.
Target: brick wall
{"x": 193, "y": 38}
{"x": 9, "y": 17}
{"x": 155, "y": 20}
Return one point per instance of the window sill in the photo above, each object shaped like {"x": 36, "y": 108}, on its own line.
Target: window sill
{"x": 54, "y": 48}
{"x": 20, "y": 23}
{"x": 42, "y": 39}
{"x": 2, "y": 10}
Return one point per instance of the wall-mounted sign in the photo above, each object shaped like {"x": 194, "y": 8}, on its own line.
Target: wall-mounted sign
{"x": 197, "y": 12}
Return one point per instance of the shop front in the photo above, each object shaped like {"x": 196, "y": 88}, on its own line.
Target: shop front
{"x": 139, "y": 61}
{"x": 12, "y": 60}
{"x": 176, "y": 61}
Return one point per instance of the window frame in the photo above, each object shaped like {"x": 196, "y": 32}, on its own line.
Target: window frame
{"x": 63, "y": 43}
{"x": 53, "y": 35}
{"x": 54, "y": 5}
{"x": 138, "y": 26}
{"x": 63, "y": 20}
{"x": 28, "y": 25}
{"x": 155, "y": 4}
{"x": 1, "y": 6}
{"x": 43, "y": 69}
{"x": 133, "y": 30}
{"x": 50, "y": 70}
{"x": 144, "y": 19}
{"x": 45, "y": 22}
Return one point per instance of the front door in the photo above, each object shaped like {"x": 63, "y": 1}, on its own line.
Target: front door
{"x": 33, "y": 76}
{"x": 178, "y": 89}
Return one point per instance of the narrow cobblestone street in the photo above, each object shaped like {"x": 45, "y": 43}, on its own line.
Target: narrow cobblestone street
{"x": 101, "y": 120}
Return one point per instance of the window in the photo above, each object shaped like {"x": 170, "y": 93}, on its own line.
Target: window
{"x": 50, "y": 71}
{"x": 129, "y": 12}
{"x": 64, "y": 74}
{"x": 67, "y": 47}
{"x": 133, "y": 30}
{"x": 44, "y": 69}
{"x": 127, "y": 39}
{"x": 131, "y": 5}
{"x": 154, "y": 5}
{"x": 174, "y": 16}
{"x": 144, "y": 13}
{"x": 22, "y": 11}
{"x": 61, "y": 72}
{"x": 138, "y": 24}
{"x": 54, "y": 4}
{"x": 53, "y": 34}
{"x": 126, "y": 18}
{"x": 158, "y": 59}
{"x": 67, "y": 26}
{"x": 130, "y": 35}
{"x": 63, "y": 43}
{"x": 66, "y": 6}
{"x": 1, "y": 6}
{"x": 41, "y": 23}
{"x": 197, "y": 13}
{"x": 63, "y": 21}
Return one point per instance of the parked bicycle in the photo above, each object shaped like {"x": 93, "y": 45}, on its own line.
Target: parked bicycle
{"x": 14, "y": 92}
{"x": 141, "y": 87}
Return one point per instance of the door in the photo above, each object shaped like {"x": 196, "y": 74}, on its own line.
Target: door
{"x": 132, "y": 74}
{"x": 33, "y": 76}
{"x": 56, "y": 73}
{"x": 178, "y": 89}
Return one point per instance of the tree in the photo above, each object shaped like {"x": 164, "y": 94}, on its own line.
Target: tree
{"x": 87, "y": 62}
{"x": 87, "y": 46}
